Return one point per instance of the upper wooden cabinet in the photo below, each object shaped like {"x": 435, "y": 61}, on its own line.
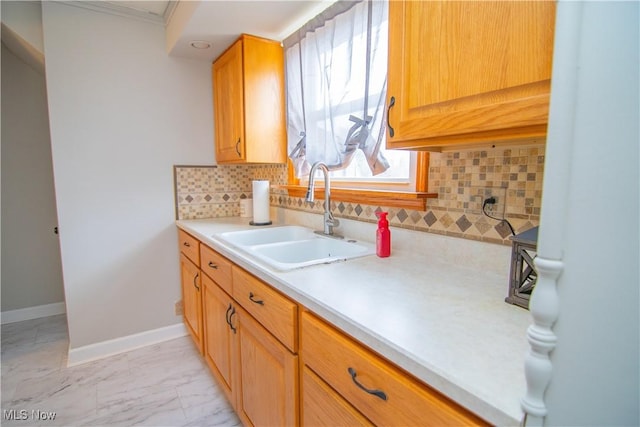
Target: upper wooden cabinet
{"x": 463, "y": 72}
{"x": 248, "y": 102}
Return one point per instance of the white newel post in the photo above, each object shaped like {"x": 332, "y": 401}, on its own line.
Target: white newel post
{"x": 544, "y": 304}
{"x": 538, "y": 368}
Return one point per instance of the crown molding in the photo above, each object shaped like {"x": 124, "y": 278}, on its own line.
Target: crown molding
{"x": 113, "y": 8}
{"x": 22, "y": 49}
{"x": 168, "y": 12}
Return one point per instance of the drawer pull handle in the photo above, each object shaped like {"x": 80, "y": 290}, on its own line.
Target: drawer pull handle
{"x": 194, "y": 281}
{"x": 212, "y": 265}
{"x": 238, "y": 148}
{"x": 233, "y": 311}
{"x": 256, "y": 301}
{"x": 392, "y": 102}
{"x": 379, "y": 393}
{"x": 186, "y": 244}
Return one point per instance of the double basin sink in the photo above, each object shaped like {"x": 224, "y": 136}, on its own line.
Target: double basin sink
{"x": 291, "y": 246}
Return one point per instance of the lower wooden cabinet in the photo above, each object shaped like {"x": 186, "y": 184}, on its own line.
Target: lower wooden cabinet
{"x": 323, "y": 407}
{"x": 219, "y": 335}
{"x": 192, "y": 299}
{"x": 382, "y": 393}
{"x": 269, "y": 392}
{"x": 278, "y": 314}
{"x": 256, "y": 371}
{"x": 250, "y": 334}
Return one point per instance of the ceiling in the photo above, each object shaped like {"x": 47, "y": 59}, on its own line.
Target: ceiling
{"x": 218, "y": 22}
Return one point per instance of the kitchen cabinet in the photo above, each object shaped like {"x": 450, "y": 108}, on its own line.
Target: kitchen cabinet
{"x": 219, "y": 336}
{"x": 269, "y": 392}
{"x": 190, "y": 246}
{"x": 250, "y": 350}
{"x": 281, "y": 364}
{"x": 267, "y": 334}
{"x": 248, "y": 102}
{"x": 191, "y": 289}
{"x": 463, "y": 73}
{"x": 376, "y": 389}
{"x": 217, "y": 267}
{"x": 275, "y": 312}
{"x": 323, "y": 407}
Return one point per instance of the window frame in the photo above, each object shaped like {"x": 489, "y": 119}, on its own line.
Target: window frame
{"x": 374, "y": 194}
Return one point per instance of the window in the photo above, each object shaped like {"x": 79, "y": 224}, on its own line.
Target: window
{"x": 336, "y": 71}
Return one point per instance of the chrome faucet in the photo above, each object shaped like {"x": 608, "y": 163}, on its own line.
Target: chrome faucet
{"x": 329, "y": 220}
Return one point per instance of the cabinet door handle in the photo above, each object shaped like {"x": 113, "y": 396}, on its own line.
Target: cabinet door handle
{"x": 186, "y": 244}
{"x": 392, "y": 102}
{"x": 212, "y": 265}
{"x": 233, "y": 311}
{"x": 255, "y": 301}
{"x": 194, "y": 281}
{"x": 238, "y": 148}
{"x": 226, "y": 315}
{"x": 379, "y": 393}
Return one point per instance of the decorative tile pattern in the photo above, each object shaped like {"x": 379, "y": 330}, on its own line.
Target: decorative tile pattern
{"x": 216, "y": 191}
{"x": 463, "y": 180}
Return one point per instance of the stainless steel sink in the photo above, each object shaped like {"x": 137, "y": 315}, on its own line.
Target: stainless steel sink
{"x": 289, "y": 247}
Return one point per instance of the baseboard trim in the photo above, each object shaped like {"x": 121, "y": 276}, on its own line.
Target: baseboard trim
{"x": 28, "y": 313}
{"x": 91, "y": 352}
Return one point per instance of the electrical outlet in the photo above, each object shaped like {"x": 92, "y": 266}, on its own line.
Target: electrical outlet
{"x": 478, "y": 195}
{"x": 179, "y": 308}
{"x": 489, "y": 204}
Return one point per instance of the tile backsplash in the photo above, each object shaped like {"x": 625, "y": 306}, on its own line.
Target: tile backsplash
{"x": 216, "y": 191}
{"x": 463, "y": 180}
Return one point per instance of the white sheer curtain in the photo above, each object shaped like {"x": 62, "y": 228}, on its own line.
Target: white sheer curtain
{"x": 336, "y": 72}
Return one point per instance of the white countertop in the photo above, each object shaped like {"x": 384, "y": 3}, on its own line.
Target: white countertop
{"x": 427, "y": 308}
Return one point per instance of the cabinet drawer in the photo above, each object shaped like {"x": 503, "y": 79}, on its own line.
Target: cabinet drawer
{"x": 398, "y": 399}
{"x": 216, "y": 266}
{"x": 323, "y": 407}
{"x": 190, "y": 246}
{"x": 274, "y": 311}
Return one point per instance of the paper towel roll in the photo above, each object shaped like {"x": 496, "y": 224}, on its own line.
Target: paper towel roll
{"x": 261, "y": 202}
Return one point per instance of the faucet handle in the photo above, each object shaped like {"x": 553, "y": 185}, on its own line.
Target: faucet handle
{"x": 334, "y": 222}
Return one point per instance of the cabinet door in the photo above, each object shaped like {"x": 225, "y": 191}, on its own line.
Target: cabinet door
{"x": 269, "y": 391}
{"x": 464, "y": 72}
{"x": 323, "y": 407}
{"x": 228, "y": 101}
{"x": 219, "y": 334}
{"x": 265, "y": 131}
{"x": 192, "y": 299}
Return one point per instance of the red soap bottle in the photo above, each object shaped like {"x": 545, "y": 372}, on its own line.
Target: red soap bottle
{"x": 383, "y": 236}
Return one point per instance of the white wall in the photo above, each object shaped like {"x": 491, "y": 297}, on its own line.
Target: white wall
{"x": 31, "y": 269}
{"x": 596, "y": 361}
{"x": 25, "y": 18}
{"x": 122, "y": 113}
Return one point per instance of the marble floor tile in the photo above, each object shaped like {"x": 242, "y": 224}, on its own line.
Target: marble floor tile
{"x": 166, "y": 384}
{"x": 200, "y": 408}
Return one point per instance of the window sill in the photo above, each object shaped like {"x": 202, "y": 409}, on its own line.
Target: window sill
{"x": 396, "y": 199}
